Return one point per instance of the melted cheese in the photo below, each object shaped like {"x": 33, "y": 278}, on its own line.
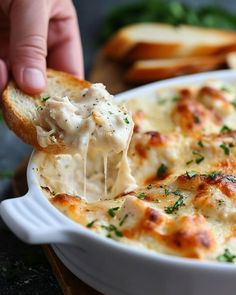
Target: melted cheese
{"x": 183, "y": 158}
{"x": 93, "y": 122}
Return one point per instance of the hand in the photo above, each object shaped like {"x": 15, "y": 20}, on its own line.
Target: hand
{"x": 35, "y": 34}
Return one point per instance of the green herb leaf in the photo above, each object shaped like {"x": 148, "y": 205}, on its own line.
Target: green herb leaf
{"x": 112, "y": 228}
{"x": 175, "y": 207}
{"x": 225, "y": 88}
{"x": 234, "y": 103}
{"x": 225, "y": 149}
{"x": 191, "y": 174}
{"x": 39, "y": 108}
{"x": 126, "y": 120}
{"x": 44, "y": 99}
{"x": 112, "y": 211}
{"x": 161, "y": 171}
{"x": 227, "y": 256}
{"x": 199, "y": 158}
{"x": 189, "y": 162}
{"x": 141, "y": 196}
{"x": 225, "y": 129}
{"x": 200, "y": 143}
{"x": 123, "y": 219}
{"x": 149, "y": 187}
{"x": 90, "y": 224}
{"x": 213, "y": 174}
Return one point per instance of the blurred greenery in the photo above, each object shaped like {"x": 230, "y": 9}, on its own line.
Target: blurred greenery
{"x": 172, "y": 12}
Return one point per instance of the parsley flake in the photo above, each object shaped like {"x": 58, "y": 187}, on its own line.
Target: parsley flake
{"x": 112, "y": 211}
{"x": 234, "y": 103}
{"x": 141, "y": 196}
{"x": 199, "y": 158}
{"x": 200, "y": 143}
{"x": 191, "y": 174}
{"x": 44, "y": 99}
{"x": 225, "y": 149}
{"x": 213, "y": 174}
{"x": 123, "y": 219}
{"x": 126, "y": 120}
{"x": 227, "y": 256}
{"x": 175, "y": 207}
{"x": 149, "y": 187}
{"x": 112, "y": 228}
{"x": 90, "y": 224}
{"x": 225, "y": 129}
{"x": 161, "y": 171}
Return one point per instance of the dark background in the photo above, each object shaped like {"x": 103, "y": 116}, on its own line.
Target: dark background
{"x": 24, "y": 269}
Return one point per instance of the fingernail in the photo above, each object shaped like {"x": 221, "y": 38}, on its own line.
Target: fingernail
{"x": 34, "y": 78}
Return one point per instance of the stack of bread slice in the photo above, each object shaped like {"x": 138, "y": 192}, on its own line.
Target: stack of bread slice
{"x": 156, "y": 51}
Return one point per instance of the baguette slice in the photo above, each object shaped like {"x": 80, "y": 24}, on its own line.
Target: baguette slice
{"x": 20, "y": 110}
{"x": 152, "y": 70}
{"x": 155, "y": 40}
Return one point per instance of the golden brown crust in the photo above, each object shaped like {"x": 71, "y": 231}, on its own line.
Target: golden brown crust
{"x": 139, "y": 73}
{"x": 126, "y": 47}
{"x": 24, "y": 127}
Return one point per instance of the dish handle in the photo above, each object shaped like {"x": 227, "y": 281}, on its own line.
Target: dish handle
{"x": 30, "y": 221}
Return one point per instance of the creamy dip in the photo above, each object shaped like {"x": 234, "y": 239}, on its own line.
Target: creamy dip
{"x": 94, "y": 122}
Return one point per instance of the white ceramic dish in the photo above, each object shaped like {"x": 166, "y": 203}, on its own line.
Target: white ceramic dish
{"x": 114, "y": 268}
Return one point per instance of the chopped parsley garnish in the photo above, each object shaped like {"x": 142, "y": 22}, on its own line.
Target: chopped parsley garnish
{"x": 189, "y": 162}
{"x": 161, "y": 171}
{"x": 225, "y": 88}
{"x": 227, "y": 256}
{"x": 234, "y": 103}
{"x": 225, "y": 129}
{"x": 200, "y": 143}
{"x": 176, "y": 97}
{"x": 126, "y": 120}
{"x": 167, "y": 192}
{"x": 220, "y": 202}
{"x": 39, "y": 108}
{"x": 175, "y": 207}
{"x": 6, "y": 174}
{"x": 191, "y": 174}
{"x": 199, "y": 158}
{"x": 231, "y": 145}
{"x": 44, "y": 99}
{"x": 111, "y": 228}
{"x": 141, "y": 196}
{"x": 123, "y": 219}
{"x": 90, "y": 224}
{"x": 149, "y": 187}
{"x": 112, "y": 211}
{"x": 213, "y": 174}
{"x": 225, "y": 149}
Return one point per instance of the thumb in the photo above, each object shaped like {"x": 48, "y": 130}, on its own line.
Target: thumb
{"x": 28, "y": 44}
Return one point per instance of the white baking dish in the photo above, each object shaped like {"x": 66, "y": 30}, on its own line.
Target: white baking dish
{"x": 111, "y": 267}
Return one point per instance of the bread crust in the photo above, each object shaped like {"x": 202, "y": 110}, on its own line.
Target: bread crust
{"x": 24, "y": 127}
{"x": 127, "y": 47}
{"x": 141, "y": 73}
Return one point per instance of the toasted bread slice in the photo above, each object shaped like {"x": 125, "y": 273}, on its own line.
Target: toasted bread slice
{"x": 20, "y": 110}
{"x": 152, "y": 70}
{"x": 154, "y": 40}
{"x": 231, "y": 60}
